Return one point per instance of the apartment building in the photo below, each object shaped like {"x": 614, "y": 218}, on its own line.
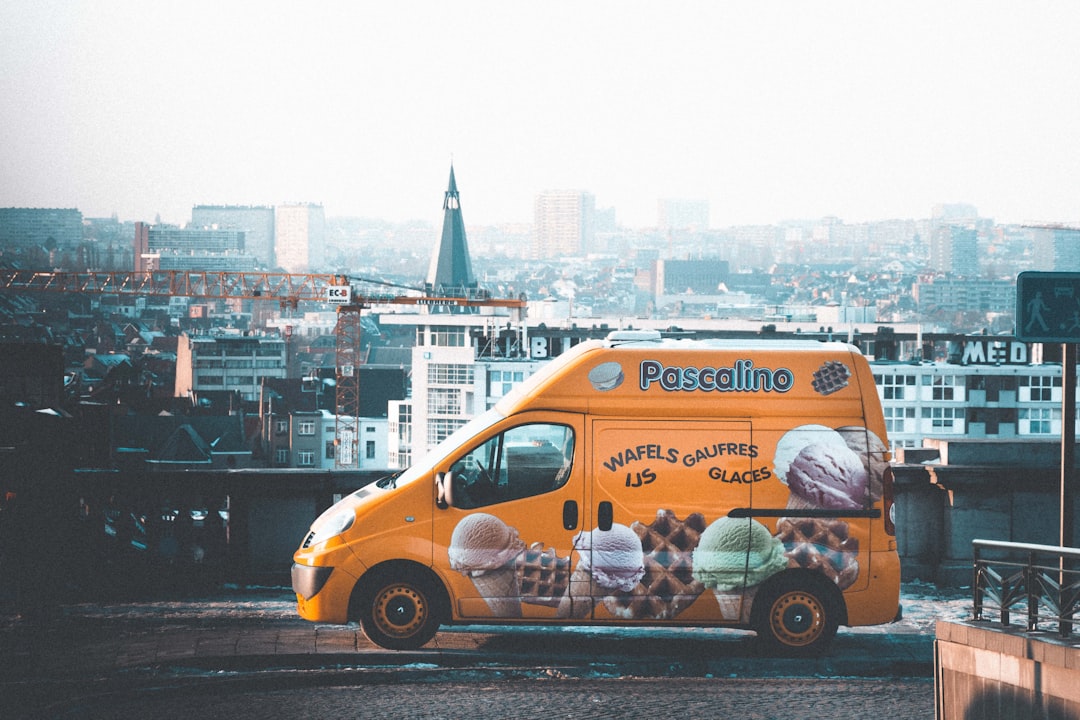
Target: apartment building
{"x": 228, "y": 361}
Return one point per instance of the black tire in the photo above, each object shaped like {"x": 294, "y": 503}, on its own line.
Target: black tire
{"x": 796, "y": 616}
{"x": 399, "y": 610}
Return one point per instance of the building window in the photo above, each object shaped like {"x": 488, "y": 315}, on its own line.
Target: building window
{"x": 438, "y": 429}
{"x": 444, "y": 401}
{"x": 892, "y": 386}
{"x": 447, "y": 336}
{"x": 450, "y": 374}
{"x": 943, "y": 387}
{"x": 329, "y": 449}
{"x": 500, "y": 382}
{"x": 941, "y": 418}
{"x": 369, "y": 449}
{"x": 1037, "y": 421}
{"x": 281, "y": 457}
{"x": 895, "y": 417}
{"x": 305, "y": 458}
{"x": 1042, "y": 388}
{"x": 281, "y": 427}
{"x": 305, "y": 427}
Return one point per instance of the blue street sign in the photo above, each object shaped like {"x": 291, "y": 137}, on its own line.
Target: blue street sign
{"x": 1048, "y": 307}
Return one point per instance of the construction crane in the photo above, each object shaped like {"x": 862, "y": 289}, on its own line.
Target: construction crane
{"x": 350, "y": 296}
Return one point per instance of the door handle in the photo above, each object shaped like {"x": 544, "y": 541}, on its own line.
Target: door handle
{"x": 569, "y": 515}
{"x": 605, "y": 515}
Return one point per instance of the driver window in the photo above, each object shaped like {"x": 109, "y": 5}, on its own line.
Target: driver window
{"x": 522, "y": 462}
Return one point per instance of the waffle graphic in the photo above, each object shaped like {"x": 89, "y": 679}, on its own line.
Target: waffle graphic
{"x": 543, "y": 575}
{"x": 831, "y": 377}
{"x": 821, "y": 544}
{"x": 668, "y": 586}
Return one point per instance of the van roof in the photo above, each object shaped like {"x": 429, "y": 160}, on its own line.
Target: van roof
{"x": 653, "y": 339}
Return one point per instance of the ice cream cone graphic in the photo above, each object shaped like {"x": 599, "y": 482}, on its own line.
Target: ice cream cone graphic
{"x": 797, "y": 502}
{"x": 501, "y": 591}
{"x": 610, "y": 562}
{"x": 578, "y": 601}
{"x": 735, "y": 604}
{"x": 486, "y": 549}
{"x": 733, "y": 557}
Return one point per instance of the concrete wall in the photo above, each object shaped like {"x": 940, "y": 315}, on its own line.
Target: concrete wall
{"x": 985, "y": 672}
{"x": 952, "y": 492}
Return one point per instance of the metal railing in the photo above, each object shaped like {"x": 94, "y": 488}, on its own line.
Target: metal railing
{"x": 1041, "y": 583}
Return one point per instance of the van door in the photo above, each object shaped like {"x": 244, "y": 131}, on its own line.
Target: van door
{"x": 656, "y": 489}
{"x": 511, "y": 505}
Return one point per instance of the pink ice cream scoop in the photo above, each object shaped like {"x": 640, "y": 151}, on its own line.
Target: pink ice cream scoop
{"x": 481, "y": 543}
{"x": 828, "y": 476}
{"x": 614, "y": 557}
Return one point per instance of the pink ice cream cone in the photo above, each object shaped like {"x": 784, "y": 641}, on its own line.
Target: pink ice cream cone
{"x": 486, "y": 549}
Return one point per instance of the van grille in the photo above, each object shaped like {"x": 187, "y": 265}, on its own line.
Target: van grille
{"x": 307, "y": 540}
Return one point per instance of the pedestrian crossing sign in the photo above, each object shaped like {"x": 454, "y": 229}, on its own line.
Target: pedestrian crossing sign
{"x": 1048, "y": 307}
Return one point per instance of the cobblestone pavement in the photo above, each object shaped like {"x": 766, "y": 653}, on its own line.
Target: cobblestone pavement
{"x": 183, "y": 653}
{"x": 747, "y": 699}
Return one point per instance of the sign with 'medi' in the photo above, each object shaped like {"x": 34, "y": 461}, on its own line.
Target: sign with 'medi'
{"x": 1048, "y": 307}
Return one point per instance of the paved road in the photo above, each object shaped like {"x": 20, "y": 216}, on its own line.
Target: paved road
{"x": 546, "y": 699}
{"x": 250, "y": 656}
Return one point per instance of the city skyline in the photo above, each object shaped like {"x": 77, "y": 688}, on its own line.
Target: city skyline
{"x": 770, "y": 113}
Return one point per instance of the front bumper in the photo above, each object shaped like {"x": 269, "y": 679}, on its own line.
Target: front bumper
{"x": 322, "y": 592}
{"x": 308, "y": 581}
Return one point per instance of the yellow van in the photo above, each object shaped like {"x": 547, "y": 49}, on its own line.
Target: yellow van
{"x": 633, "y": 481}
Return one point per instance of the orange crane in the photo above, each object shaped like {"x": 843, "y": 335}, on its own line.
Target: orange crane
{"x": 288, "y": 289}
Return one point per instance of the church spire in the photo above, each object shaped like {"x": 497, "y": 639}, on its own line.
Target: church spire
{"x": 451, "y": 267}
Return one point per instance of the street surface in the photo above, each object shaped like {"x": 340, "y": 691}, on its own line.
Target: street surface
{"x": 245, "y": 653}
{"x": 543, "y": 699}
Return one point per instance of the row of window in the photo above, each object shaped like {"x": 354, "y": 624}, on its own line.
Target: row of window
{"x": 218, "y": 363}
{"x": 950, "y": 387}
{"x": 1028, "y": 421}
{"x": 450, "y": 374}
{"x": 306, "y": 458}
{"x": 305, "y": 427}
{"x": 441, "y": 336}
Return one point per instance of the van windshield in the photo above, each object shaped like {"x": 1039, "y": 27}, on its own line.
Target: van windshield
{"x": 423, "y": 465}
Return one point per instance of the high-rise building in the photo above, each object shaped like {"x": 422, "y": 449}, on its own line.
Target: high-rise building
{"x": 954, "y": 249}
{"x": 256, "y": 222}
{"x": 1056, "y": 248}
{"x": 51, "y": 228}
{"x": 300, "y": 237}
{"x": 563, "y": 223}
{"x": 165, "y": 247}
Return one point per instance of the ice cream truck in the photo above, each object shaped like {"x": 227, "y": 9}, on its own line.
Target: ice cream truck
{"x": 635, "y": 480}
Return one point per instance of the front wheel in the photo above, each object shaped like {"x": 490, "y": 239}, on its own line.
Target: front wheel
{"x": 795, "y": 619}
{"x": 399, "y": 612}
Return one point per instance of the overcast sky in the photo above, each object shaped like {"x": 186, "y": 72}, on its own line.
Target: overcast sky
{"x": 769, "y": 110}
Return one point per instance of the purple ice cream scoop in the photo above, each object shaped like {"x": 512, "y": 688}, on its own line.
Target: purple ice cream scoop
{"x": 829, "y": 476}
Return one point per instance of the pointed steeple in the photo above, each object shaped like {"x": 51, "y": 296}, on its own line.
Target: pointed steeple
{"x": 451, "y": 267}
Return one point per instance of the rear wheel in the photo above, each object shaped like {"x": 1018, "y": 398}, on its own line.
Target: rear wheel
{"x": 399, "y": 611}
{"x": 796, "y": 618}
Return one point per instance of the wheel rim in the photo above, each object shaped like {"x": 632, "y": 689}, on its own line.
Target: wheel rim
{"x": 797, "y": 619}
{"x": 400, "y": 610}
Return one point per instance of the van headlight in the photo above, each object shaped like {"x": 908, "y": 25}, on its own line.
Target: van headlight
{"x": 330, "y": 525}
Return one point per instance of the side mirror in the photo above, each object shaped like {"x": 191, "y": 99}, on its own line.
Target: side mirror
{"x": 444, "y": 490}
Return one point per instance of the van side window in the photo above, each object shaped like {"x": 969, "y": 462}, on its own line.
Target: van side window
{"x": 522, "y": 462}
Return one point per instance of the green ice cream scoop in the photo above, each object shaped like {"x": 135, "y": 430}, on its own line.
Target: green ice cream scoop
{"x": 737, "y": 552}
